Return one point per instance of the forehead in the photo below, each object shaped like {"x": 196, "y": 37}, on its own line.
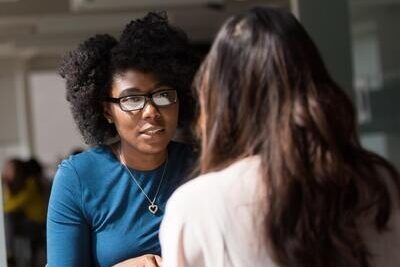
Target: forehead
{"x": 134, "y": 80}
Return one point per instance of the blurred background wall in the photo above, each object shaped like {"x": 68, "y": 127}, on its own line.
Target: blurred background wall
{"x": 359, "y": 40}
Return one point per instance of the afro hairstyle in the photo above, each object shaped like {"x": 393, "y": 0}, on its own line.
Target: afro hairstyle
{"x": 150, "y": 45}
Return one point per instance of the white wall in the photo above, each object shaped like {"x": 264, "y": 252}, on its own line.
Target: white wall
{"x": 54, "y": 132}
{"x": 13, "y": 136}
{"x": 8, "y": 109}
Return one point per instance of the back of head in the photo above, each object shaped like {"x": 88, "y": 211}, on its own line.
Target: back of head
{"x": 273, "y": 62}
{"x": 14, "y": 175}
{"x": 34, "y": 168}
{"x": 264, "y": 90}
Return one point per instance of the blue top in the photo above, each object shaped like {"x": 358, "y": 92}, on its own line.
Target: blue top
{"x": 98, "y": 216}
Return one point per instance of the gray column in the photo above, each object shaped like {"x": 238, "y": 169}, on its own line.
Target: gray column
{"x": 328, "y": 23}
{"x": 388, "y": 31}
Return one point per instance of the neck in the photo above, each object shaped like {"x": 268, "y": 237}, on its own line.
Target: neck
{"x": 139, "y": 160}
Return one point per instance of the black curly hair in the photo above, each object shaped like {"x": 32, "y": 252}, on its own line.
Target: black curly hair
{"x": 150, "y": 45}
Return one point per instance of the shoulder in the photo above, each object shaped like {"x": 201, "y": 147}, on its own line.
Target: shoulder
{"x": 210, "y": 191}
{"x": 90, "y": 160}
{"x": 91, "y": 156}
{"x": 83, "y": 165}
{"x": 218, "y": 180}
{"x": 78, "y": 172}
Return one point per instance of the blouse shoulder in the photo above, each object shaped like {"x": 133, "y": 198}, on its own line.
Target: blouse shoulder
{"x": 210, "y": 191}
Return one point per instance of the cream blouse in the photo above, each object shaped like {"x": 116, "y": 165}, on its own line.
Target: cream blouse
{"x": 214, "y": 221}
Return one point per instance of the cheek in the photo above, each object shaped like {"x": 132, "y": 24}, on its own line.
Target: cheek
{"x": 125, "y": 121}
{"x": 170, "y": 118}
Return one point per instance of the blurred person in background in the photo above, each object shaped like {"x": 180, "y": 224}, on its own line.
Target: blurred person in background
{"x": 127, "y": 97}
{"x": 12, "y": 178}
{"x": 24, "y": 208}
{"x": 285, "y": 181}
{"x": 37, "y": 232}
{"x": 35, "y": 170}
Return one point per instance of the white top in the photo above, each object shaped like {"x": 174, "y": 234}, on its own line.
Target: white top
{"x": 213, "y": 221}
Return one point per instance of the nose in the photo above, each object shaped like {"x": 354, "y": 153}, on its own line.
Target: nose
{"x": 150, "y": 110}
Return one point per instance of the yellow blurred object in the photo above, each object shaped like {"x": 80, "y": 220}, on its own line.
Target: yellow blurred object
{"x": 28, "y": 200}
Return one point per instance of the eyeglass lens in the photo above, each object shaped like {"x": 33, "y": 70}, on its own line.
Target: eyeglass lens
{"x": 162, "y": 98}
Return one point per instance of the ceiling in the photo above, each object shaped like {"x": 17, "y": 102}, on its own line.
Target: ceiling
{"x": 50, "y": 27}
{"x": 29, "y": 28}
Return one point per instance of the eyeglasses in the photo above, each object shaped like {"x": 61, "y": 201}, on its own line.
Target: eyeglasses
{"x": 135, "y": 102}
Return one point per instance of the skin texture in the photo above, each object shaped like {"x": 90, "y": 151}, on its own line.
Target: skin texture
{"x": 148, "y": 260}
{"x": 140, "y": 149}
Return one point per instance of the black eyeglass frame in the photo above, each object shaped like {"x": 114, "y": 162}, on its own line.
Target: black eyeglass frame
{"x": 147, "y": 97}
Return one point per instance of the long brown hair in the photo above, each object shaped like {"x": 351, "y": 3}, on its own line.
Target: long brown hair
{"x": 264, "y": 90}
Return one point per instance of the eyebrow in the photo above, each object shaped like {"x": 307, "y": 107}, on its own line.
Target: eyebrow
{"x": 138, "y": 91}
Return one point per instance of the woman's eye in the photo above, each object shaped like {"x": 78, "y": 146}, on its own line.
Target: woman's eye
{"x": 135, "y": 99}
{"x": 163, "y": 95}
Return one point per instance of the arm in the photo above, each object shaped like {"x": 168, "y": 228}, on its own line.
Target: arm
{"x": 68, "y": 234}
{"x": 148, "y": 260}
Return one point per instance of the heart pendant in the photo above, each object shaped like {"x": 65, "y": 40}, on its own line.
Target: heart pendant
{"x": 153, "y": 208}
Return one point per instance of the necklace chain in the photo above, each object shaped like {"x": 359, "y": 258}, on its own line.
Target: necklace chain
{"x": 153, "y": 208}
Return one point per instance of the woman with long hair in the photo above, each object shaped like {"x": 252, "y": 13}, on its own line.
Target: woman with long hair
{"x": 284, "y": 179}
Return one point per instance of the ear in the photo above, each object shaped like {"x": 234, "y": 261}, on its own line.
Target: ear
{"x": 107, "y": 112}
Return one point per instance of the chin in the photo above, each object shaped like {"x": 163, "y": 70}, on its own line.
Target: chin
{"x": 153, "y": 144}
{"x": 153, "y": 147}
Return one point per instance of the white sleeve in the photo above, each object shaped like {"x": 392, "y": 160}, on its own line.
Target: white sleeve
{"x": 179, "y": 245}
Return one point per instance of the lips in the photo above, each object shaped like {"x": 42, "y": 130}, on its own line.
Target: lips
{"x": 152, "y": 130}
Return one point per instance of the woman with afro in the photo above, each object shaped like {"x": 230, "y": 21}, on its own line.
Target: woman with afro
{"x": 125, "y": 95}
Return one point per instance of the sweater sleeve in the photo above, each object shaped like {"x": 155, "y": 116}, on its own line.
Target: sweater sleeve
{"x": 68, "y": 233}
